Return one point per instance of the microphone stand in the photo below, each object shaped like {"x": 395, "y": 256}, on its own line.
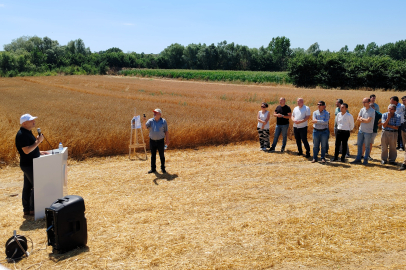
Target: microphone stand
{"x": 48, "y": 143}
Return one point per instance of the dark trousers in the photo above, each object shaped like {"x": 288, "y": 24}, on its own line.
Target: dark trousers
{"x": 301, "y": 136}
{"x": 341, "y": 139}
{"x": 400, "y": 143}
{"x": 28, "y": 189}
{"x": 160, "y": 146}
{"x": 263, "y": 137}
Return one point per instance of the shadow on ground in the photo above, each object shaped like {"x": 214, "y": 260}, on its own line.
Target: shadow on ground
{"x": 29, "y": 224}
{"x": 61, "y": 257}
{"x": 164, "y": 176}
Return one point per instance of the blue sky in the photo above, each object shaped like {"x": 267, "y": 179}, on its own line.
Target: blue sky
{"x": 150, "y": 26}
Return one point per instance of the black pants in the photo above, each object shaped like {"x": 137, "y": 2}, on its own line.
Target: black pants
{"x": 160, "y": 146}
{"x": 28, "y": 189}
{"x": 301, "y": 136}
{"x": 341, "y": 138}
{"x": 400, "y": 143}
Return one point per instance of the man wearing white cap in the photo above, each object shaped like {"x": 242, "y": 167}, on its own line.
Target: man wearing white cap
{"x": 27, "y": 146}
{"x": 158, "y": 131}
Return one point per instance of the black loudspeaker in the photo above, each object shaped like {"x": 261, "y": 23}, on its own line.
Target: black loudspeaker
{"x": 66, "y": 223}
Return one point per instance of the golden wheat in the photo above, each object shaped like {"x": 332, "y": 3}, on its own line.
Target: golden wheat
{"x": 91, "y": 114}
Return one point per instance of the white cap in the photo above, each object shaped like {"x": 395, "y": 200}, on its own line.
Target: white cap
{"x": 158, "y": 110}
{"x": 26, "y": 117}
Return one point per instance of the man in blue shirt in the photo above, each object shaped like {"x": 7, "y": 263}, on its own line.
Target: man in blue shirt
{"x": 320, "y": 131}
{"x": 400, "y": 109}
{"x": 390, "y": 125}
{"x": 403, "y": 131}
{"x": 158, "y": 131}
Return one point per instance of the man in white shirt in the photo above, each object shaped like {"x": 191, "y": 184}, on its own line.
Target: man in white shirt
{"x": 300, "y": 115}
{"x": 345, "y": 123}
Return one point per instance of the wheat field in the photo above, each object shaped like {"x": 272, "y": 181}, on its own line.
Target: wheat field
{"x": 91, "y": 114}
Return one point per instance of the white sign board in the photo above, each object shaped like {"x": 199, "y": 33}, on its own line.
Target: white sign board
{"x": 136, "y": 122}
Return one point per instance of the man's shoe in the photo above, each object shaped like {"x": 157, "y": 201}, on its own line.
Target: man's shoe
{"x": 333, "y": 159}
{"x": 300, "y": 154}
{"x": 314, "y": 161}
{"x": 370, "y": 159}
{"x": 163, "y": 171}
{"x": 393, "y": 163}
{"x": 383, "y": 162}
{"x": 347, "y": 156}
{"x": 151, "y": 171}
{"x": 272, "y": 149}
{"x": 323, "y": 160}
{"x": 397, "y": 148}
{"x": 402, "y": 168}
{"x": 282, "y": 150}
{"x": 355, "y": 162}
{"x": 307, "y": 155}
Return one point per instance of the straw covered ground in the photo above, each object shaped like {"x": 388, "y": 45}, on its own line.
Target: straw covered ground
{"x": 224, "y": 207}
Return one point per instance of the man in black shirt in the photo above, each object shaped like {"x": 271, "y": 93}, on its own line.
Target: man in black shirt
{"x": 282, "y": 114}
{"x": 27, "y": 146}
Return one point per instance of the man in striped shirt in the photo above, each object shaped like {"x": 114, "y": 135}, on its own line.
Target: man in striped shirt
{"x": 390, "y": 125}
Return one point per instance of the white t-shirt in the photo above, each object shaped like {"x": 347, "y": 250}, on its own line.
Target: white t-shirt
{"x": 263, "y": 117}
{"x": 400, "y": 109}
{"x": 300, "y": 114}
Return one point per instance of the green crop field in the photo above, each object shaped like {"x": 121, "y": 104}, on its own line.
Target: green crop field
{"x": 213, "y": 75}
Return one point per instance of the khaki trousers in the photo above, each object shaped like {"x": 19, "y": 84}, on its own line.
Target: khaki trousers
{"x": 404, "y": 140}
{"x": 389, "y": 139}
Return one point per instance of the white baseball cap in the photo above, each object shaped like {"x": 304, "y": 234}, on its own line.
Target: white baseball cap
{"x": 158, "y": 110}
{"x": 26, "y": 117}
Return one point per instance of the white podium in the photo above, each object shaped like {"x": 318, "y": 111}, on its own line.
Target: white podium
{"x": 50, "y": 180}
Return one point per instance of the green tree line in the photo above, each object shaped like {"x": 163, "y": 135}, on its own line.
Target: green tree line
{"x": 375, "y": 67}
{"x": 369, "y": 66}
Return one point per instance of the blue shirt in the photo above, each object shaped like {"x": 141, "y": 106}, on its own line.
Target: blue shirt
{"x": 157, "y": 129}
{"x": 322, "y": 119}
{"x": 394, "y": 121}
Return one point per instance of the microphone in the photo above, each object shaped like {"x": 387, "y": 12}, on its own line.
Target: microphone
{"x": 39, "y": 134}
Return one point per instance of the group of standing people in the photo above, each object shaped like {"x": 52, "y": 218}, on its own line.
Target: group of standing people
{"x": 393, "y": 129}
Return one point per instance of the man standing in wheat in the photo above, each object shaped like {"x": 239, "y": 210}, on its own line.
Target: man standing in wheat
{"x": 158, "y": 131}
{"x": 282, "y": 114}
{"x": 300, "y": 115}
{"x": 27, "y": 146}
{"x": 391, "y": 122}
{"x": 320, "y": 131}
{"x": 366, "y": 116}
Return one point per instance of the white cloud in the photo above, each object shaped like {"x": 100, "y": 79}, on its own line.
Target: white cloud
{"x": 128, "y": 24}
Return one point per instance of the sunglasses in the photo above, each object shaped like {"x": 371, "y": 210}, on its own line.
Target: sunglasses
{"x": 263, "y": 107}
